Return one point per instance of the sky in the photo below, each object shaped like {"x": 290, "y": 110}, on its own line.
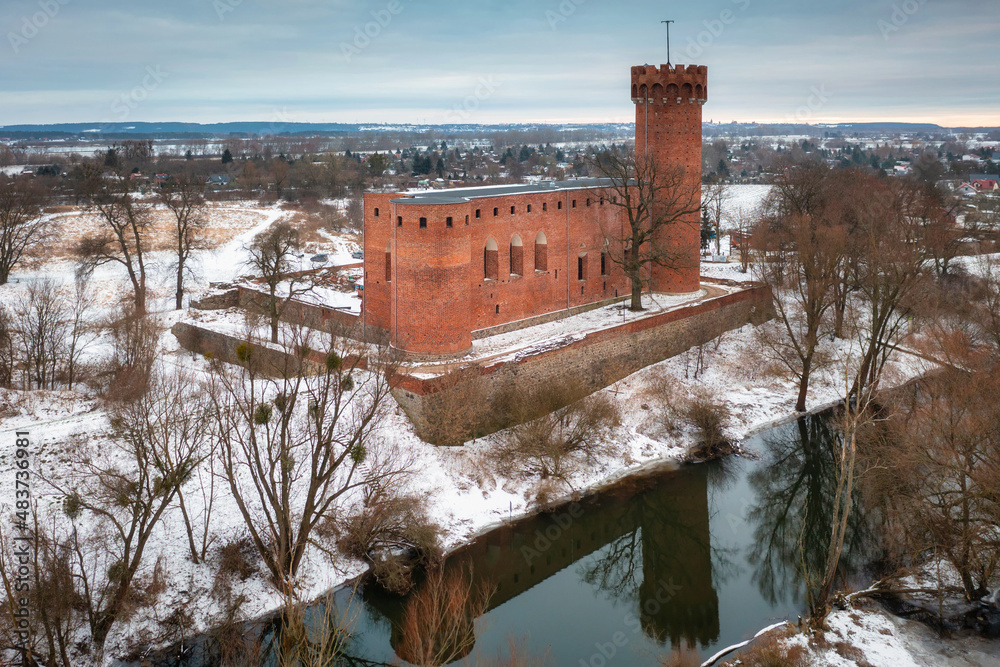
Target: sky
{"x": 485, "y": 61}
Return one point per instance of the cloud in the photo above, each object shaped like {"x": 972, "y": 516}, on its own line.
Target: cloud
{"x": 557, "y": 59}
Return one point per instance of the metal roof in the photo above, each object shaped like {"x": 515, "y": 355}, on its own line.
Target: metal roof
{"x": 463, "y": 195}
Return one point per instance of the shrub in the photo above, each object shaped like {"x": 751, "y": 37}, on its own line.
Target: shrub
{"x": 393, "y": 533}
{"x": 710, "y": 417}
{"x": 770, "y": 651}
{"x": 665, "y": 394}
{"x": 235, "y": 559}
{"x": 570, "y": 431}
{"x": 455, "y": 414}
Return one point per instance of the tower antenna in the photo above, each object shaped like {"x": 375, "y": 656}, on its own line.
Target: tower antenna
{"x": 668, "y": 40}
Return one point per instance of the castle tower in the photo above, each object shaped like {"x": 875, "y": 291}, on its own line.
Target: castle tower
{"x": 668, "y": 103}
{"x": 430, "y": 279}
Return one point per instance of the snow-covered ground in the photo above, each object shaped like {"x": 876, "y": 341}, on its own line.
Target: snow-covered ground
{"x": 871, "y": 637}
{"x": 464, "y": 495}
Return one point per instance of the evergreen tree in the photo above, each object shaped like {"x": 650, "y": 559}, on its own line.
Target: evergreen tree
{"x": 706, "y": 230}
{"x": 524, "y": 154}
{"x": 227, "y": 156}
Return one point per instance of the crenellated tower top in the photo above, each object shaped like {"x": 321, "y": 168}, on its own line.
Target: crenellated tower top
{"x": 680, "y": 84}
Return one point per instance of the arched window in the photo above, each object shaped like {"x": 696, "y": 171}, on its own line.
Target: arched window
{"x": 605, "y": 262}
{"x": 491, "y": 262}
{"x": 388, "y": 263}
{"x": 541, "y": 252}
{"x": 581, "y": 266}
{"x": 516, "y": 256}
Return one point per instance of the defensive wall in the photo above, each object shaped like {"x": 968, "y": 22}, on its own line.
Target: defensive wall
{"x": 598, "y": 360}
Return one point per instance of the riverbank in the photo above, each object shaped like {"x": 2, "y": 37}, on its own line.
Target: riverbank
{"x": 872, "y": 637}
{"x": 462, "y": 491}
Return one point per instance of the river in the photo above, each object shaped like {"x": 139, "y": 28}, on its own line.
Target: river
{"x": 682, "y": 561}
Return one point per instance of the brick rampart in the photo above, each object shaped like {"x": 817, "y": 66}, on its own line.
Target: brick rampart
{"x": 601, "y": 358}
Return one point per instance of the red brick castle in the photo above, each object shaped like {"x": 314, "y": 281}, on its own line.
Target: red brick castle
{"x": 443, "y": 264}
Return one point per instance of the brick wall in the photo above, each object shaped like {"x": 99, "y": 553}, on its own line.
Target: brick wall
{"x": 312, "y": 316}
{"x": 603, "y": 357}
{"x": 221, "y": 346}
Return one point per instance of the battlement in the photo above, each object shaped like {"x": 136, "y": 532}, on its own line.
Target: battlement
{"x": 670, "y": 85}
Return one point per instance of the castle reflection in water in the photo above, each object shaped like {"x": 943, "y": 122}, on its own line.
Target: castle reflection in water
{"x": 654, "y": 556}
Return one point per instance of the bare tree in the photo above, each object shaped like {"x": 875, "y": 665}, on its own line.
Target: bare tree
{"x": 171, "y": 418}
{"x": 22, "y": 225}
{"x": 279, "y": 175}
{"x": 122, "y": 238}
{"x": 271, "y": 258}
{"x": 127, "y": 486}
{"x": 8, "y": 355}
{"x": 184, "y": 198}
{"x": 135, "y": 350}
{"x": 51, "y": 591}
{"x": 717, "y": 196}
{"x": 655, "y": 203}
{"x": 744, "y": 222}
{"x": 41, "y": 331}
{"x": 801, "y": 252}
{"x": 293, "y": 447}
{"x": 81, "y": 330}
{"x": 939, "y": 474}
{"x": 890, "y": 271}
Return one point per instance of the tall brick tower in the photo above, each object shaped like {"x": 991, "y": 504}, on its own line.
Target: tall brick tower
{"x": 668, "y": 101}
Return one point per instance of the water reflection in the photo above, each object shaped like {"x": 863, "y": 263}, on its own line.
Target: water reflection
{"x": 684, "y": 562}
{"x": 654, "y": 549}
{"x": 794, "y": 492}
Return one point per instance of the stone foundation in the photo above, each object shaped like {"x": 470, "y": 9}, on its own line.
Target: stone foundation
{"x": 597, "y": 361}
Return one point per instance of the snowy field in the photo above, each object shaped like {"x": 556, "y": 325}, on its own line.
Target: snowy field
{"x": 463, "y": 493}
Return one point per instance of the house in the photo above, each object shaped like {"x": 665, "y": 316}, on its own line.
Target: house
{"x": 966, "y": 190}
{"x": 220, "y": 180}
{"x": 985, "y": 183}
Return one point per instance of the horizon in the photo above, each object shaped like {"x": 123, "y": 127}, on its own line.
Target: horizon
{"x": 444, "y": 62}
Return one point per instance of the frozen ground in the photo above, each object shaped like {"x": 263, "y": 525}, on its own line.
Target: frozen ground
{"x": 464, "y": 494}
{"x": 871, "y": 637}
